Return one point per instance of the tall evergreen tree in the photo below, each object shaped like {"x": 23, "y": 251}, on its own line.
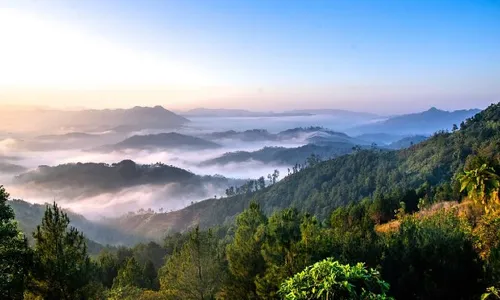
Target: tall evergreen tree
{"x": 280, "y": 252}
{"x": 15, "y": 256}
{"x": 244, "y": 256}
{"x": 150, "y": 276}
{"x": 62, "y": 267}
{"x": 196, "y": 271}
{"x": 130, "y": 275}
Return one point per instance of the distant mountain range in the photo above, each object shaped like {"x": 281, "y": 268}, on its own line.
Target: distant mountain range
{"x": 313, "y": 134}
{"x": 162, "y": 141}
{"x": 319, "y": 141}
{"x": 222, "y": 112}
{"x": 337, "y": 113}
{"x": 123, "y": 120}
{"x": 427, "y": 122}
{"x": 253, "y": 135}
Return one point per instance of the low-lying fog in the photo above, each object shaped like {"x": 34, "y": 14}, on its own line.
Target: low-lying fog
{"x": 54, "y": 151}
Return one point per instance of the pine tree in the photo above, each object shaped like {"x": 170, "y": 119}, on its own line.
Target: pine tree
{"x": 62, "y": 268}
{"x": 196, "y": 271}
{"x": 130, "y": 275}
{"x": 280, "y": 251}
{"x": 15, "y": 256}
{"x": 150, "y": 276}
{"x": 243, "y": 254}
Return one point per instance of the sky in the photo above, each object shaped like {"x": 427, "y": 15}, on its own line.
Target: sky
{"x": 375, "y": 56}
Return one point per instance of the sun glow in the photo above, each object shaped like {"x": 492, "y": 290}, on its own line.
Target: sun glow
{"x": 41, "y": 53}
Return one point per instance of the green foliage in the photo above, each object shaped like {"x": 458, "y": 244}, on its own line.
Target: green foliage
{"x": 62, "y": 267}
{"x": 124, "y": 293}
{"x": 279, "y": 251}
{"x": 130, "y": 275}
{"x": 352, "y": 234}
{"x": 196, "y": 271}
{"x": 30, "y": 215}
{"x": 15, "y": 256}
{"x": 150, "y": 276}
{"x": 432, "y": 257}
{"x": 491, "y": 293}
{"x": 108, "y": 267}
{"x": 243, "y": 254}
{"x": 329, "y": 279}
{"x": 483, "y": 186}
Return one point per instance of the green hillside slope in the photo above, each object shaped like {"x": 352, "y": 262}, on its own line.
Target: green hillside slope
{"x": 429, "y": 165}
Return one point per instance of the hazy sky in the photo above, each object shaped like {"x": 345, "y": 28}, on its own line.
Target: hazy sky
{"x": 380, "y": 56}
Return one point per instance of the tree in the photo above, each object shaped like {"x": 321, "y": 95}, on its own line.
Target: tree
{"x": 15, "y": 256}
{"x": 128, "y": 292}
{"x": 329, "y": 279}
{"x": 312, "y": 160}
{"x": 275, "y": 176}
{"x": 279, "y": 251}
{"x": 150, "y": 276}
{"x": 196, "y": 271}
{"x": 243, "y": 254}
{"x": 482, "y": 185}
{"x": 129, "y": 275}
{"x": 262, "y": 183}
{"x": 432, "y": 257}
{"x": 108, "y": 267}
{"x": 62, "y": 268}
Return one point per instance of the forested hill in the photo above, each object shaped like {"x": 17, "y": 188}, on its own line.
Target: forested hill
{"x": 170, "y": 140}
{"x": 90, "y": 179}
{"x": 428, "y": 167}
{"x": 30, "y": 215}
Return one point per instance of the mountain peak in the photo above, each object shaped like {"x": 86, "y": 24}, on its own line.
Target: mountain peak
{"x": 434, "y": 109}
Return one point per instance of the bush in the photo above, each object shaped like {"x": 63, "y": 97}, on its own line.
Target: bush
{"x": 329, "y": 279}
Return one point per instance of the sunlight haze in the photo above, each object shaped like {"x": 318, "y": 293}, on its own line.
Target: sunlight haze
{"x": 187, "y": 54}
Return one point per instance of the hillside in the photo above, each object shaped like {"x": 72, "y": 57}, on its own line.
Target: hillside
{"x": 30, "y": 215}
{"x": 311, "y": 134}
{"x": 379, "y": 138}
{"x": 252, "y": 135}
{"x": 283, "y": 156}
{"x": 426, "y": 122}
{"x": 407, "y": 142}
{"x": 171, "y": 140}
{"x": 89, "y": 179}
{"x": 430, "y": 165}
